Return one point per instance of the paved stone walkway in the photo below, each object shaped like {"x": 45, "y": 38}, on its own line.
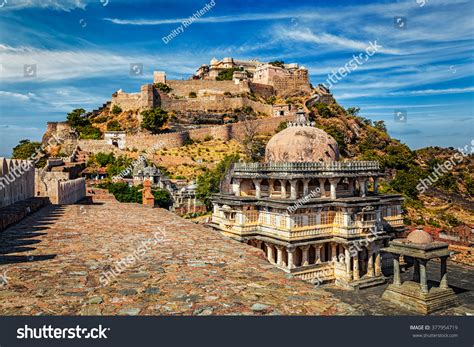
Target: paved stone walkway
{"x": 54, "y": 262}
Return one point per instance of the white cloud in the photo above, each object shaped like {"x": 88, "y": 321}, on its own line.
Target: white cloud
{"x": 16, "y": 96}
{"x": 58, "y": 5}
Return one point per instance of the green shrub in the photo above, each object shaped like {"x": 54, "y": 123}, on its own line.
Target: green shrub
{"x": 154, "y": 119}
{"x": 114, "y": 126}
{"x": 116, "y": 110}
{"x": 163, "y": 87}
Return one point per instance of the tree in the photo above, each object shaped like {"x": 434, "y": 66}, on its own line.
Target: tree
{"x": 380, "y": 125}
{"x": 27, "y": 149}
{"x": 254, "y": 147}
{"x": 76, "y": 118}
{"x": 154, "y": 119}
{"x": 163, "y": 87}
{"x": 226, "y": 74}
{"x": 116, "y": 109}
{"x": 114, "y": 125}
{"x": 353, "y": 111}
{"x": 162, "y": 198}
{"x": 209, "y": 182}
{"x": 281, "y": 126}
{"x": 278, "y": 63}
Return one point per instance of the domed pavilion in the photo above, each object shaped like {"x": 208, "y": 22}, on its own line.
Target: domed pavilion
{"x": 313, "y": 215}
{"x": 418, "y": 248}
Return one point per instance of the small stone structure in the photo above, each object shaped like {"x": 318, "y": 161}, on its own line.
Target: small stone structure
{"x": 147, "y": 196}
{"x": 281, "y": 110}
{"x": 17, "y": 180}
{"x": 416, "y": 294}
{"x": 115, "y": 138}
{"x": 60, "y": 181}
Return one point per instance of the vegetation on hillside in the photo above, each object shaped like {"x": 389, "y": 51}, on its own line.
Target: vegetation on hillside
{"x": 278, "y": 63}
{"x": 78, "y": 120}
{"x": 154, "y": 119}
{"x": 209, "y": 182}
{"x": 226, "y": 74}
{"x": 114, "y": 165}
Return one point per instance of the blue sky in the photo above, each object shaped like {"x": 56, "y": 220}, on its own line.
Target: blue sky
{"x": 83, "y": 51}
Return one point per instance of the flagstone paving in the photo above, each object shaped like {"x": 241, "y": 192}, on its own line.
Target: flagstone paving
{"x": 54, "y": 263}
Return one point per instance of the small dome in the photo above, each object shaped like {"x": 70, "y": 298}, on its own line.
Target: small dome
{"x": 301, "y": 144}
{"x": 419, "y": 236}
{"x": 214, "y": 61}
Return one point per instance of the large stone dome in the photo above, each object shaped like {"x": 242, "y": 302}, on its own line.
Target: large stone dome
{"x": 301, "y": 144}
{"x": 419, "y": 237}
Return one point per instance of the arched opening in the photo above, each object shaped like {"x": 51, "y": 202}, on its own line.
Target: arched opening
{"x": 115, "y": 143}
{"x": 298, "y": 256}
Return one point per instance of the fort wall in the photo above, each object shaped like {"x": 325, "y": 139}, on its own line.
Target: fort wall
{"x": 70, "y": 191}
{"x": 183, "y": 88}
{"x": 222, "y": 132}
{"x": 214, "y": 104}
{"x": 17, "y": 181}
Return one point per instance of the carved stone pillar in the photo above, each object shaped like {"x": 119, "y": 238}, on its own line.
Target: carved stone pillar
{"x": 238, "y": 181}
{"x": 347, "y": 260}
{"x": 333, "y": 182}
{"x": 270, "y": 256}
{"x": 370, "y": 264}
{"x": 355, "y": 267}
{"x": 283, "y": 189}
{"x": 378, "y": 264}
{"x": 396, "y": 270}
{"x": 443, "y": 283}
{"x": 322, "y": 181}
{"x": 334, "y": 252}
{"x": 291, "y": 257}
{"x": 258, "y": 192}
{"x": 304, "y": 255}
{"x": 279, "y": 255}
{"x": 423, "y": 278}
{"x": 270, "y": 187}
{"x": 317, "y": 250}
{"x": 293, "y": 192}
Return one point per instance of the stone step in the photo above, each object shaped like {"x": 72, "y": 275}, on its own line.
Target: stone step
{"x": 14, "y": 213}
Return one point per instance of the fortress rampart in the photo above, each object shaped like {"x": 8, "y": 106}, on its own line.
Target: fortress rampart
{"x": 17, "y": 181}
{"x": 71, "y": 191}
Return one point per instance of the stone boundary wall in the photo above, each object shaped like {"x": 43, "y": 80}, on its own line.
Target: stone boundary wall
{"x": 17, "y": 181}
{"x": 71, "y": 191}
{"x": 214, "y": 104}
{"x": 221, "y": 132}
{"x": 183, "y": 88}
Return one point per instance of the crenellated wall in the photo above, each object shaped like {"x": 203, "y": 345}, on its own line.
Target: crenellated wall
{"x": 17, "y": 180}
{"x": 70, "y": 191}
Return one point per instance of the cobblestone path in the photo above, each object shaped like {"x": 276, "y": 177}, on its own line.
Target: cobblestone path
{"x": 126, "y": 259}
